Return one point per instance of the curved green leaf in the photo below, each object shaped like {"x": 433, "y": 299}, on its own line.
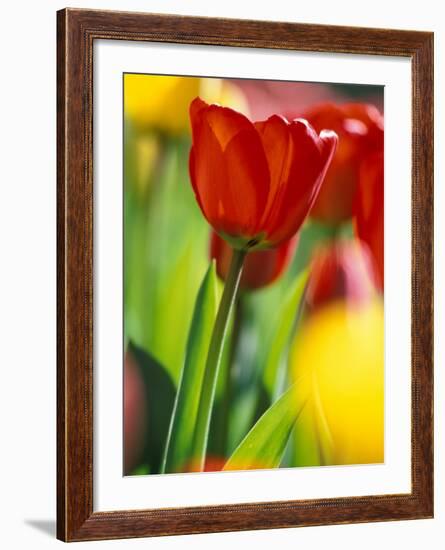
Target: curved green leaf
{"x": 183, "y": 421}
{"x": 280, "y": 340}
{"x": 264, "y": 445}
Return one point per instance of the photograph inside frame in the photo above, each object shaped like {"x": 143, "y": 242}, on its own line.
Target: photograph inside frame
{"x": 253, "y": 274}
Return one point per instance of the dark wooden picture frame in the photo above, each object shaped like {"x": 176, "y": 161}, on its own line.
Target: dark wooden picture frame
{"x": 76, "y": 32}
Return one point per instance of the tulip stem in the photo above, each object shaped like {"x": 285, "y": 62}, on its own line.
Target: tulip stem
{"x": 228, "y": 382}
{"x": 214, "y": 358}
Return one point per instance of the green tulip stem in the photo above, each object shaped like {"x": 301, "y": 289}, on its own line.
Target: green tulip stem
{"x": 214, "y": 358}
{"x": 238, "y": 315}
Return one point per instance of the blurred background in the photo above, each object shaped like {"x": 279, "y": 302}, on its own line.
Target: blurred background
{"x": 314, "y": 323}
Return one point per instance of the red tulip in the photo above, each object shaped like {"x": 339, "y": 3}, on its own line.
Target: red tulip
{"x": 360, "y": 132}
{"x": 261, "y": 267}
{"x": 212, "y": 464}
{"x": 369, "y": 210}
{"x": 340, "y": 271}
{"x": 255, "y": 182}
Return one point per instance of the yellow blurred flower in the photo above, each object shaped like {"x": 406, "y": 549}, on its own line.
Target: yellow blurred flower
{"x": 337, "y": 361}
{"x": 157, "y": 102}
{"x": 146, "y": 152}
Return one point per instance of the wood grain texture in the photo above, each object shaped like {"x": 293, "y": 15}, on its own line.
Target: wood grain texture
{"x": 76, "y": 32}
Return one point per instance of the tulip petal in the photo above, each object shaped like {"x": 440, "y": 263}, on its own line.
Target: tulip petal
{"x": 226, "y": 123}
{"x": 192, "y": 170}
{"x": 311, "y": 158}
{"x": 278, "y": 147}
{"x": 196, "y": 108}
{"x": 329, "y": 140}
{"x": 369, "y": 210}
{"x": 247, "y": 184}
{"x": 328, "y": 144}
{"x": 208, "y": 173}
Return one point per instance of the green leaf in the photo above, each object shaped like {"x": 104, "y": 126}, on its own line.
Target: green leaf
{"x": 280, "y": 340}
{"x": 160, "y": 392}
{"x": 246, "y": 409}
{"x": 307, "y": 450}
{"x": 183, "y": 421}
{"x": 264, "y": 445}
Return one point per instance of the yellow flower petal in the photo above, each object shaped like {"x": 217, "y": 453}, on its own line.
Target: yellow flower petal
{"x": 338, "y": 363}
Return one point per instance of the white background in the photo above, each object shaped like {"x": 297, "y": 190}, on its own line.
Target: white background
{"x": 27, "y": 218}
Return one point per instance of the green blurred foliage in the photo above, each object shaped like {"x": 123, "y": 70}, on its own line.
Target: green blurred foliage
{"x": 165, "y": 255}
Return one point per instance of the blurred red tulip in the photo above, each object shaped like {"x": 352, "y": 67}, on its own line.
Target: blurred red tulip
{"x": 266, "y": 97}
{"x": 212, "y": 464}
{"x": 360, "y": 133}
{"x": 369, "y": 210}
{"x": 135, "y": 414}
{"x": 255, "y": 183}
{"x": 261, "y": 267}
{"x": 217, "y": 463}
{"x": 340, "y": 271}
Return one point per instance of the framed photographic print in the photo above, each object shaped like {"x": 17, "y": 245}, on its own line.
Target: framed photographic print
{"x": 245, "y": 227}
